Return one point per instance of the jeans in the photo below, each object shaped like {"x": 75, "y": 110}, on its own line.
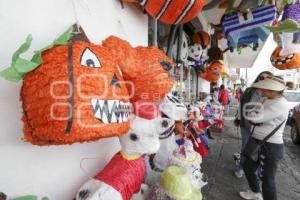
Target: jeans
{"x": 245, "y": 133}
{"x": 269, "y": 158}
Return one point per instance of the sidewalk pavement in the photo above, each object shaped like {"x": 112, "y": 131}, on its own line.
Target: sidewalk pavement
{"x": 219, "y": 167}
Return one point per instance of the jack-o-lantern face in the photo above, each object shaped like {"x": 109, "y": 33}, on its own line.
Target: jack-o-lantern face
{"x": 76, "y": 91}
{"x": 287, "y": 54}
{"x": 77, "y": 94}
{"x": 290, "y": 61}
{"x": 212, "y": 73}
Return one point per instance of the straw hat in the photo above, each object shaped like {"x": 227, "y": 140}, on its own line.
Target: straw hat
{"x": 177, "y": 184}
{"x": 270, "y": 83}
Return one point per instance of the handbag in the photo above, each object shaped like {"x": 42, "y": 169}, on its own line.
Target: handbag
{"x": 253, "y": 146}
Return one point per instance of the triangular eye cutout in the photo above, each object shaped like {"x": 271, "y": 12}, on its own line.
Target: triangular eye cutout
{"x": 115, "y": 81}
{"x": 89, "y": 59}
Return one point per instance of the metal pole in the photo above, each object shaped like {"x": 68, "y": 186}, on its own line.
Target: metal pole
{"x": 197, "y": 82}
{"x": 171, "y": 39}
{"x": 154, "y": 42}
{"x": 179, "y": 44}
{"x": 189, "y": 83}
{"x": 181, "y": 78}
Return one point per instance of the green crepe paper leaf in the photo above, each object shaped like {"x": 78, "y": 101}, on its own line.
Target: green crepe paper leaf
{"x": 61, "y": 40}
{"x": 14, "y": 72}
{"x": 28, "y": 197}
{"x": 19, "y": 66}
{"x": 285, "y": 2}
{"x": 288, "y": 25}
{"x": 230, "y": 6}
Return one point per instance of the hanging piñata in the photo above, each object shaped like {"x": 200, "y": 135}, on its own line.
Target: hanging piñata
{"x": 287, "y": 35}
{"x": 173, "y": 12}
{"x": 198, "y": 50}
{"x": 212, "y": 72}
{"x": 76, "y": 91}
{"x": 246, "y": 29}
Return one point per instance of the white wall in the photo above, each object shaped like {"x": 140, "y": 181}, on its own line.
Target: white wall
{"x": 53, "y": 171}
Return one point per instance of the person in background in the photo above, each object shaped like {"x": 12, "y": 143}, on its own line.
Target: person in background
{"x": 238, "y": 94}
{"x": 271, "y": 118}
{"x": 223, "y": 95}
{"x": 250, "y": 95}
{"x": 224, "y": 98}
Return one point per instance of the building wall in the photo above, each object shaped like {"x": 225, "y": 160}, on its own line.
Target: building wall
{"x": 54, "y": 171}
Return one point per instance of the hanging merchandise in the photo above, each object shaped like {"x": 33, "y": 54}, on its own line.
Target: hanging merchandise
{"x": 61, "y": 102}
{"x": 214, "y": 52}
{"x": 76, "y": 91}
{"x": 196, "y": 57}
{"x": 224, "y": 72}
{"x": 173, "y": 12}
{"x": 198, "y": 51}
{"x": 212, "y": 72}
{"x": 287, "y": 35}
{"x": 202, "y": 38}
{"x": 124, "y": 174}
{"x": 174, "y": 184}
{"x": 244, "y": 29}
{"x": 244, "y": 5}
{"x": 191, "y": 161}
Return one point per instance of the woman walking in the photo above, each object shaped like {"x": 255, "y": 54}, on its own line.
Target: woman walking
{"x": 268, "y": 121}
{"x": 250, "y": 95}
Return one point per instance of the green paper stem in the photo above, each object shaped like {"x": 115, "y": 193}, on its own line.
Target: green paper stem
{"x": 288, "y": 25}
{"x": 19, "y": 66}
{"x": 30, "y": 197}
